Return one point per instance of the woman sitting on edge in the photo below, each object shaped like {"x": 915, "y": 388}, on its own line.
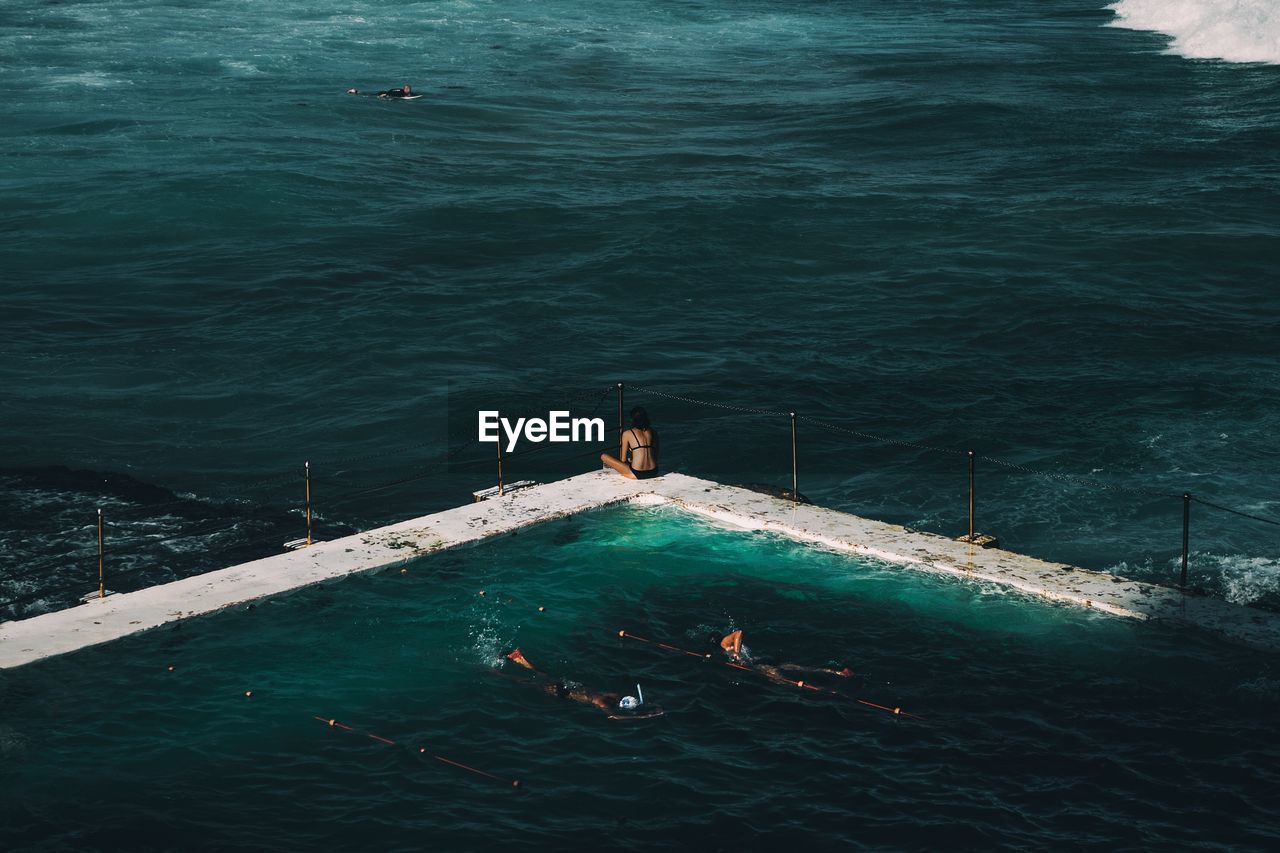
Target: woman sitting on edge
{"x": 639, "y": 449}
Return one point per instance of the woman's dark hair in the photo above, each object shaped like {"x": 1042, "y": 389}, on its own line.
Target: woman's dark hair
{"x": 639, "y": 418}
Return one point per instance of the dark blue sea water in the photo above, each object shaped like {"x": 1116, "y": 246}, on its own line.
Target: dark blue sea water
{"x": 998, "y": 225}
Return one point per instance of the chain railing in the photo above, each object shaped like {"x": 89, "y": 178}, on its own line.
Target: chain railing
{"x": 339, "y": 493}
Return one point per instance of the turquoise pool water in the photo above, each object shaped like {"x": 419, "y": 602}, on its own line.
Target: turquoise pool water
{"x": 1041, "y": 724}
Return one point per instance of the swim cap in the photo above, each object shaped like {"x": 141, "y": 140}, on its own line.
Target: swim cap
{"x": 629, "y": 703}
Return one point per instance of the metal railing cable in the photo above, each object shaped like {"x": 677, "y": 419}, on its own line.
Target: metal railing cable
{"x": 342, "y": 497}
{"x": 881, "y": 439}
{"x": 348, "y": 492}
{"x": 697, "y": 402}
{"x": 143, "y": 545}
{"x": 1075, "y": 478}
{"x": 431, "y": 470}
{"x": 138, "y": 548}
{"x": 1240, "y": 513}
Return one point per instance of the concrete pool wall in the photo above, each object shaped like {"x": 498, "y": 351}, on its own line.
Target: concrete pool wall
{"x": 103, "y": 620}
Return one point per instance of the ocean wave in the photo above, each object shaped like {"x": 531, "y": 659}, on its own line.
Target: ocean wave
{"x": 1240, "y": 579}
{"x": 241, "y": 68}
{"x": 89, "y": 79}
{"x": 48, "y": 536}
{"x": 1232, "y": 30}
{"x": 1245, "y": 580}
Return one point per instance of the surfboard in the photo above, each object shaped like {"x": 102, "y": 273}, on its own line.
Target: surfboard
{"x": 375, "y": 95}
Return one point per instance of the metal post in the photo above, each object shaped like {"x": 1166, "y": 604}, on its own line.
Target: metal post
{"x": 306, "y": 474}
{"x": 795, "y": 485}
{"x": 499, "y": 446}
{"x": 620, "y": 423}
{"x": 970, "y": 497}
{"x": 102, "y": 583}
{"x": 1186, "y": 534}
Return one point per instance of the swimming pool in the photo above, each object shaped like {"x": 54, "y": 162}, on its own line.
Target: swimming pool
{"x": 1040, "y": 723}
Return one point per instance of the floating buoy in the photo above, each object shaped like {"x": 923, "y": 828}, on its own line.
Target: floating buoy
{"x": 171, "y": 667}
{"x": 248, "y": 693}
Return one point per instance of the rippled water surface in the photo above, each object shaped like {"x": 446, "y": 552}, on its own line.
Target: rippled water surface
{"x": 1000, "y": 225}
{"x": 1037, "y": 724}
{"x": 926, "y": 227}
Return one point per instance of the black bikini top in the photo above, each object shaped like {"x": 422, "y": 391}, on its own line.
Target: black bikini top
{"x": 636, "y": 447}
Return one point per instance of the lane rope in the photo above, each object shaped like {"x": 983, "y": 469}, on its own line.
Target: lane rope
{"x": 422, "y": 750}
{"x": 800, "y": 683}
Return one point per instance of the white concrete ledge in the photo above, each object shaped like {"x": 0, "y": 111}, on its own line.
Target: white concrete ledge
{"x": 121, "y": 615}
{"x": 895, "y": 544}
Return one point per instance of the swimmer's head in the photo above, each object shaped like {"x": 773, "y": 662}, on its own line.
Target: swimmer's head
{"x": 408, "y": 88}
{"x": 353, "y": 91}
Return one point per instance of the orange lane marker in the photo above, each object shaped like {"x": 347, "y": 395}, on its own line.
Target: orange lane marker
{"x": 897, "y": 712}
{"x": 334, "y": 724}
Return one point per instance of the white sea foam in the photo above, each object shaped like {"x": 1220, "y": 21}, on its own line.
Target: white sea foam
{"x": 94, "y": 79}
{"x": 241, "y": 68}
{"x": 1234, "y": 30}
{"x": 1246, "y": 579}
{"x": 1238, "y": 578}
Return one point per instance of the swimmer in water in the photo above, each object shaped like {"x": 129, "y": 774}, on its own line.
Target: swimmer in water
{"x": 610, "y": 703}
{"x": 731, "y": 645}
{"x": 403, "y": 92}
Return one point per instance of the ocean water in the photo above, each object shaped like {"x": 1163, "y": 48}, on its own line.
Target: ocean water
{"x": 1043, "y": 231}
{"x": 1013, "y": 227}
{"x": 1035, "y": 725}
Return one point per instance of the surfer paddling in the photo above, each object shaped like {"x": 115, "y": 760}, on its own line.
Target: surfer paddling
{"x": 405, "y": 91}
{"x": 731, "y": 645}
{"x": 610, "y": 703}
